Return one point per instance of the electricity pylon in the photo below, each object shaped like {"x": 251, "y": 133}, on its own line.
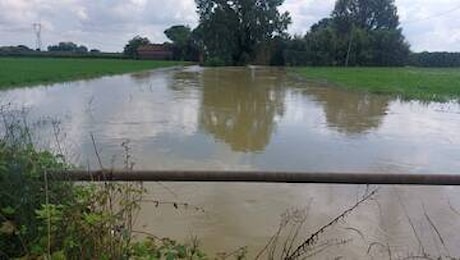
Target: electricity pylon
{"x": 38, "y": 34}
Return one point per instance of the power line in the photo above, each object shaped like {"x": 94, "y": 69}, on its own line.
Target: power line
{"x": 434, "y": 16}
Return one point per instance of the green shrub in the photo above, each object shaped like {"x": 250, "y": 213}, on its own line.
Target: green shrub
{"x": 24, "y": 190}
{"x": 45, "y": 218}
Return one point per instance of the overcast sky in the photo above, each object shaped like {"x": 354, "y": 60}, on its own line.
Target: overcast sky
{"x": 432, "y": 25}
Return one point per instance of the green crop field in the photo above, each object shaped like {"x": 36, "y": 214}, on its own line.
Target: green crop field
{"x": 433, "y": 84}
{"x": 31, "y": 71}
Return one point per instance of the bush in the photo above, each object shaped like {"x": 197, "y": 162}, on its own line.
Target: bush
{"x": 42, "y": 217}
{"x": 24, "y": 189}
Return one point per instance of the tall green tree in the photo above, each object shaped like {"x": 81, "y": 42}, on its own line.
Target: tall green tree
{"x": 130, "y": 49}
{"x": 233, "y": 30}
{"x": 358, "y": 33}
{"x": 322, "y": 43}
{"x": 367, "y": 14}
{"x": 180, "y": 35}
{"x": 370, "y": 31}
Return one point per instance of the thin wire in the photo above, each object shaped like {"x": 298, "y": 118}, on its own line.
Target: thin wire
{"x": 433, "y": 16}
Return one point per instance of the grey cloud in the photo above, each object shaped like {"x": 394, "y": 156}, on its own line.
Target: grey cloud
{"x": 108, "y": 24}
{"x": 305, "y": 13}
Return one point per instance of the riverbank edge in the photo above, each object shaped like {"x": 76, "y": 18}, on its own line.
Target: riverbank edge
{"x": 24, "y": 76}
{"x": 419, "y": 86}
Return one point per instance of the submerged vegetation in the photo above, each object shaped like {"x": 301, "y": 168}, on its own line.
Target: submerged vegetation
{"x": 407, "y": 83}
{"x": 30, "y": 71}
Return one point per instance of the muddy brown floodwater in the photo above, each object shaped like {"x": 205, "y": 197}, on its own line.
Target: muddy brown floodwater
{"x": 259, "y": 118}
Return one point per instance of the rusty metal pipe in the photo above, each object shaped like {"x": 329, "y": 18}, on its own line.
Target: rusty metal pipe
{"x": 259, "y": 176}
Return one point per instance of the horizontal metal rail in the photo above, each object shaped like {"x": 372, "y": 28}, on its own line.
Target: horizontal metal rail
{"x": 259, "y": 176}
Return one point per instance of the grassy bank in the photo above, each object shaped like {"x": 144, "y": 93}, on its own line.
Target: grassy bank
{"x": 407, "y": 83}
{"x": 31, "y": 71}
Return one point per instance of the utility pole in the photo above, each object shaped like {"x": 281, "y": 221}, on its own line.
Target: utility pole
{"x": 347, "y": 60}
{"x": 38, "y": 34}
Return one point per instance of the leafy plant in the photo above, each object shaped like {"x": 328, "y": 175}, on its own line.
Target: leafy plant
{"x": 24, "y": 188}
{"x": 45, "y": 218}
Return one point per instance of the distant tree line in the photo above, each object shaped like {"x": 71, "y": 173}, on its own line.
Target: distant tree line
{"x": 435, "y": 59}
{"x": 238, "y": 32}
{"x": 57, "y": 51}
{"x": 15, "y": 50}
{"x": 68, "y": 47}
{"x": 71, "y": 47}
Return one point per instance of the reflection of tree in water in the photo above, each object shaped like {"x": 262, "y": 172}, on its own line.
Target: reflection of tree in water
{"x": 180, "y": 80}
{"x": 185, "y": 79}
{"x": 143, "y": 77}
{"x": 239, "y": 106}
{"x": 350, "y": 112}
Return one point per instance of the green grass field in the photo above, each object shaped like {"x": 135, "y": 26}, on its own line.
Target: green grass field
{"x": 32, "y": 71}
{"x": 438, "y": 84}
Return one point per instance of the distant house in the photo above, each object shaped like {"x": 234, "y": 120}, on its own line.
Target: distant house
{"x": 154, "y": 52}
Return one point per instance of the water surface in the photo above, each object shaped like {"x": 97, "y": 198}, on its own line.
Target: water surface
{"x": 258, "y": 118}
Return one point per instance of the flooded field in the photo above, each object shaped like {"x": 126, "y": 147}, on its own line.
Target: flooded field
{"x": 260, "y": 118}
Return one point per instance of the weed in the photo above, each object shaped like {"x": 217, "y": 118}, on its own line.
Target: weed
{"x": 290, "y": 227}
